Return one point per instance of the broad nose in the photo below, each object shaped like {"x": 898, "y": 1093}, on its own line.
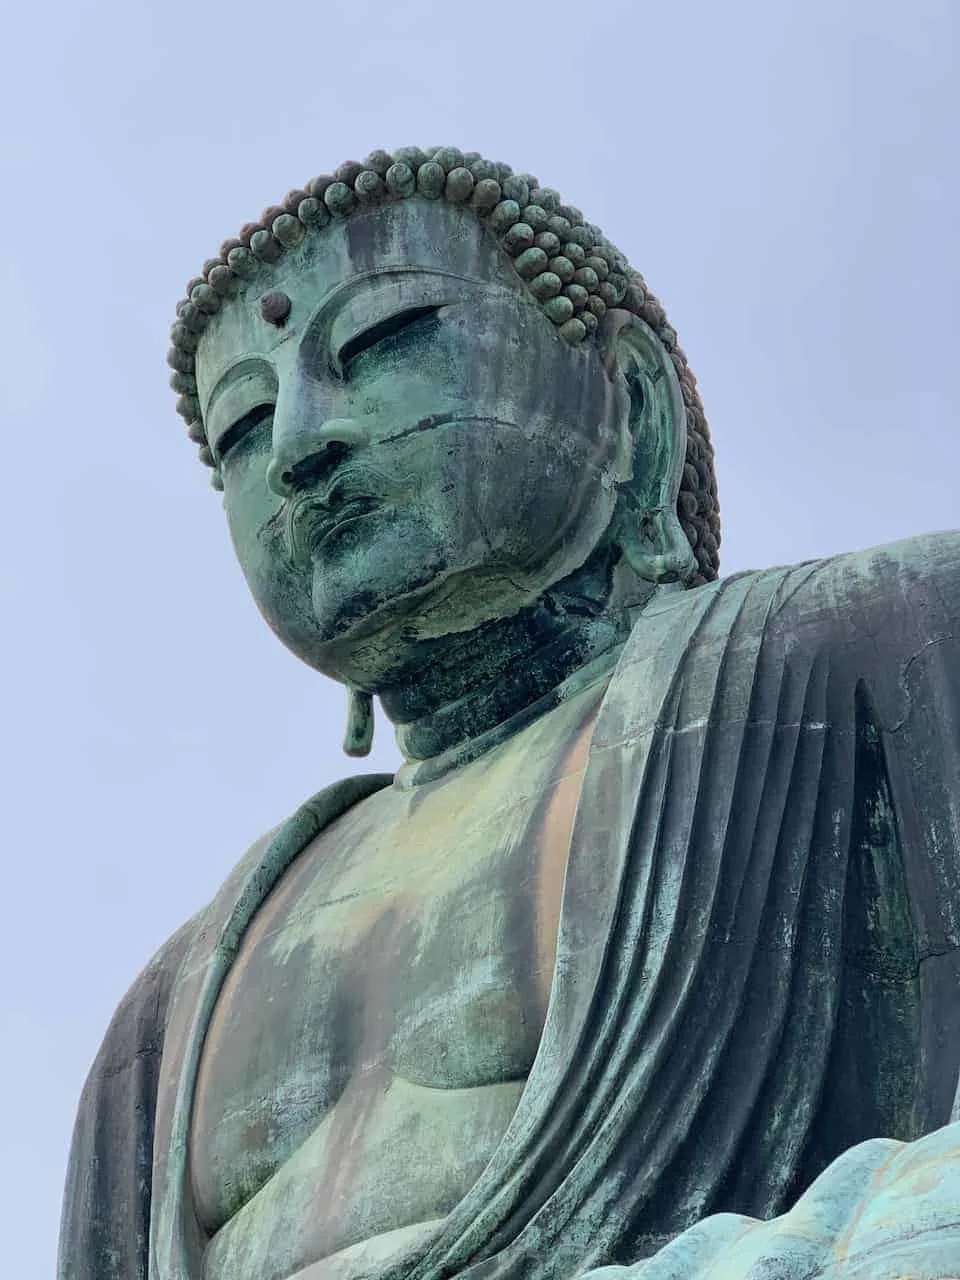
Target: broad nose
{"x": 303, "y": 451}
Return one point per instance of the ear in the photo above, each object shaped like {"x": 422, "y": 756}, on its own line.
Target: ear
{"x": 648, "y": 529}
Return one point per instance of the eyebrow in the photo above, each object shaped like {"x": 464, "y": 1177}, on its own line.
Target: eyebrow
{"x": 326, "y": 321}
{"x": 334, "y": 302}
{"x": 246, "y": 367}
{"x": 324, "y": 318}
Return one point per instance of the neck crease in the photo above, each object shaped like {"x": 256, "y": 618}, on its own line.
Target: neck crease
{"x": 477, "y": 689}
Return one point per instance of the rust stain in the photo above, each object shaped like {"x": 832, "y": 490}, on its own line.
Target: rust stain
{"x": 554, "y": 848}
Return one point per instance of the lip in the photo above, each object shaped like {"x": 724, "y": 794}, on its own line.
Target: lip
{"x": 315, "y": 530}
{"x": 311, "y": 518}
{"x": 357, "y": 489}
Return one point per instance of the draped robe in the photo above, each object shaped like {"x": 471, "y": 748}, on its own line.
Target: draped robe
{"x": 758, "y": 962}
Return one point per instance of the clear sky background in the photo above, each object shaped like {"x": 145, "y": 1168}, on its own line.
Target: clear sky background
{"x": 785, "y": 175}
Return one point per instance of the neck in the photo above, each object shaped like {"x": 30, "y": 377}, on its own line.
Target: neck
{"x": 465, "y": 693}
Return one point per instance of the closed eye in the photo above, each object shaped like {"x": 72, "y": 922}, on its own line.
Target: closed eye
{"x": 242, "y": 427}
{"x": 382, "y": 330}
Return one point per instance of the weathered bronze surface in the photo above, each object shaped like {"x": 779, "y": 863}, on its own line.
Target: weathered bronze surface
{"x": 646, "y": 963}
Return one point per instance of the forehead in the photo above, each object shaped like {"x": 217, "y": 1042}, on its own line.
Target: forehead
{"x": 430, "y": 234}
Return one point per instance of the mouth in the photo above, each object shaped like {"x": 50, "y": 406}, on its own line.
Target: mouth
{"x": 310, "y": 516}
{"x": 314, "y": 524}
{"x": 313, "y": 515}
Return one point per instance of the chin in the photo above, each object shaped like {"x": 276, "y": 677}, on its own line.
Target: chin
{"x": 370, "y": 576}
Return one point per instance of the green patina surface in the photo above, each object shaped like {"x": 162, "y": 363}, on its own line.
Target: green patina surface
{"x": 647, "y": 962}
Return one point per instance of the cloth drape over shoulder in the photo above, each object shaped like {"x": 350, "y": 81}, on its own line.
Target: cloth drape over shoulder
{"x": 757, "y": 962}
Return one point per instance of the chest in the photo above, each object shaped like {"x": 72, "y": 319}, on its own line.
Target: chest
{"x": 413, "y": 942}
{"x": 424, "y": 969}
{"x": 405, "y": 946}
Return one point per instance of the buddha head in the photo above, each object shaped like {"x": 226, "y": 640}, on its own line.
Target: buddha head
{"x": 432, "y": 394}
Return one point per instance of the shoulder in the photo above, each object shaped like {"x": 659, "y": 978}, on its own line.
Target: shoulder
{"x": 869, "y": 611}
{"x": 137, "y": 1026}
{"x": 141, "y": 1015}
{"x": 881, "y": 575}
{"x": 882, "y": 596}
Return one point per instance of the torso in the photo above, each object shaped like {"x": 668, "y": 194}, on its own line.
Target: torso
{"x": 373, "y": 1037}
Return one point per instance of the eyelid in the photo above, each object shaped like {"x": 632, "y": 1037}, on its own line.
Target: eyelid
{"x": 242, "y": 427}
{"x": 371, "y": 334}
{"x": 382, "y": 303}
{"x": 245, "y": 388}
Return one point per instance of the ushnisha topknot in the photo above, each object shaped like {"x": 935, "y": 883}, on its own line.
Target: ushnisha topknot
{"x": 569, "y": 267}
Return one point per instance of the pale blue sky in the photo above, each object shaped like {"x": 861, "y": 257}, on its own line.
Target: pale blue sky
{"x": 785, "y": 174}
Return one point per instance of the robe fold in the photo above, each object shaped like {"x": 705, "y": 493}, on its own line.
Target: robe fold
{"x": 758, "y": 962}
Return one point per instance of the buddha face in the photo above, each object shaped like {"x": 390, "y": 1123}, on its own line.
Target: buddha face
{"x": 408, "y": 448}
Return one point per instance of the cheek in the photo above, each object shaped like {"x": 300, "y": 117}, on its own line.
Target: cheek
{"x": 516, "y": 493}
{"x": 250, "y": 508}
{"x": 280, "y": 590}
{"x": 510, "y": 360}
{"x": 556, "y": 438}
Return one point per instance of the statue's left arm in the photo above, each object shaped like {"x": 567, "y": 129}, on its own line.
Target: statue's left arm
{"x": 885, "y": 1209}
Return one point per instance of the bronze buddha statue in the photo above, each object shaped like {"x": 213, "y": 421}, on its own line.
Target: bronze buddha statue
{"x": 647, "y": 962}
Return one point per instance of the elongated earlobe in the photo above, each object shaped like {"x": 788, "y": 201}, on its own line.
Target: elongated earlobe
{"x": 648, "y": 529}
{"x": 654, "y": 546}
{"x": 358, "y": 738}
